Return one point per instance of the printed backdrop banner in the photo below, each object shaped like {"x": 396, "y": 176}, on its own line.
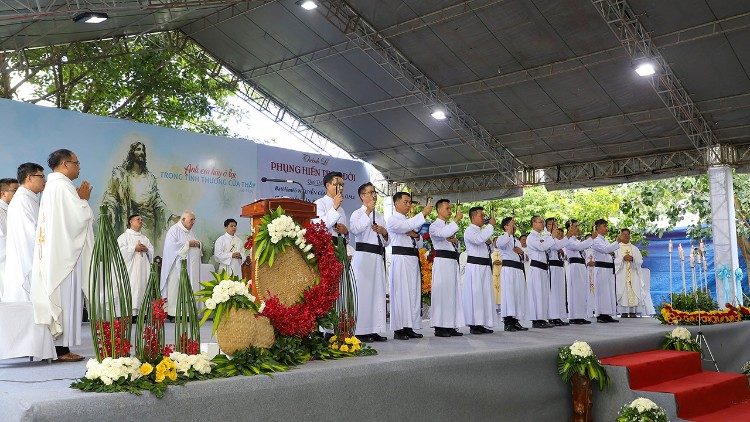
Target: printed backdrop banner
{"x": 307, "y": 169}
{"x": 138, "y": 168}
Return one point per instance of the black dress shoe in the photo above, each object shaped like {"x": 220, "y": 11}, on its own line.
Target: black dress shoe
{"x": 400, "y": 335}
{"x": 562, "y": 323}
{"x": 540, "y": 323}
{"x": 455, "y": 333}
{"x": 510, "y": 327}
{"x": 576, "y": 321}
{"x": 442, "y": 332}
{"x": 378, "y": 337}
{"x": 475, "y": 329}
{"x": 556, "y": 322}
{"x": 412, "y": 334}
{"x": 518, "y": 326}
{"x": 603, "y": 318}
{"x": 364, "y": 338}
{"x": 585, "y": 321}
{"x": 486, "y": 330}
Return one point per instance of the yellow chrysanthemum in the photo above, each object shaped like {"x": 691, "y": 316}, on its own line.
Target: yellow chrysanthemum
{"x": 344, "y": 348}
{"x": 348, "y": 340}
{"x": 172, "y": 374}
{"x": 355, "y": 340}
{"x": 146, "y": 369}
{"x": 332, "y": 339}
{"x": 159, "y": 377}
{"x": 334, "y": 346}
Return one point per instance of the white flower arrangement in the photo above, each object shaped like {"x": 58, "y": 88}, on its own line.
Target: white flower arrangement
{"x": 682, "y": 333}
{"x": 184, "y": 363}
{"x": 225, "y": 290}
{"x": 581, "y": 349}
{"x": 642, "y": 409}
{"x": 284, "y": 226}
{"x": 111, "y": 370}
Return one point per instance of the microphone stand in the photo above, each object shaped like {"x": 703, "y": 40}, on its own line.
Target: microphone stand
{"x": 302, "y": 188}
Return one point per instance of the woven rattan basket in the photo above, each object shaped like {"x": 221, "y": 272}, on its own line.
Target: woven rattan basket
{"x": 240, "y": 328}
{"x": 289, "y": 277}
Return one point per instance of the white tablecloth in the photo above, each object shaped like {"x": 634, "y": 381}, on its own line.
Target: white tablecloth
{"x": 20, "y": 336}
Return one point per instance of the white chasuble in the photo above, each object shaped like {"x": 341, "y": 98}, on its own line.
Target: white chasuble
{"x": 138, "y": 264}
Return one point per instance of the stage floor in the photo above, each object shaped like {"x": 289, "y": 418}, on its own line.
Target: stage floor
{"x": 500, "y": 376}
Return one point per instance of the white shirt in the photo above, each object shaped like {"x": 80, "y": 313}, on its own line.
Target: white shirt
{"x": 361, "y": 227}
{"x": 475, "y": 238}
{"x": 329, "y": 215}
{"x": 440, "y": 231}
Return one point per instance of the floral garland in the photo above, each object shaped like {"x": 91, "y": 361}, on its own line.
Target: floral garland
{"x": 277, "y": 231}
{"x": 578, "y": 358}
{"x": 729, "y": 314}
{"x": 426, "y": 269}
{"x": 680, "y": 339}
{"x": 642, "y": 409}
{"x": 300, "y": 319}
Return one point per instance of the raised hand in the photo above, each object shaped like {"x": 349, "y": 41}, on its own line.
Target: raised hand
{"x": 84, "y": 191}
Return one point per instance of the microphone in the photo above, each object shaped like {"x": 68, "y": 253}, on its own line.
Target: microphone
{"x": 266, "y": 179}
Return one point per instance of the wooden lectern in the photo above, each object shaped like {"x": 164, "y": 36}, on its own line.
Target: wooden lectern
{"x": 300, "y": 211}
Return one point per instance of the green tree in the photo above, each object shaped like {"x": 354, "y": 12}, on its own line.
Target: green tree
{"x": 163, "y": 79}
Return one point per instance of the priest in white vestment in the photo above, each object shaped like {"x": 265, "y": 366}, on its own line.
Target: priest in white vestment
{"x": 577, "y": 275}
{"x": 62, "y": 253}
{"x": 368, "y": 265}
{"x": 22, "y": 218}
{"x": 630, "y": 292}
{"x": 537, "y": 279}
{"x": 525, "y": 258}
{"x": 478, "y": 298}
{"x": 405, "y": 276}
{"x": 229, "y": 249}
{"x": 8, "y": 188}
{"x": 180, "y": 244}
{"x": 446, "y": 312}
{"x": 330, "y": 209}
{"x": 138, "y": 253}
{"x": 557, "y": 288}
{"x": 512, "y": 278}
{"x": 604, "y": 273}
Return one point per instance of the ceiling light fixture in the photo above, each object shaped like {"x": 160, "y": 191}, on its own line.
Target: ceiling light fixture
{"x": 91, "y": 17}
{"x": 307, "y": 4}
{"x": 645, "y": 69}
{"x": 438, "y": 115}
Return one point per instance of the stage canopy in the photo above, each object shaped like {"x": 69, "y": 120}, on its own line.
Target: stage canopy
{"x": 533, "y": 91}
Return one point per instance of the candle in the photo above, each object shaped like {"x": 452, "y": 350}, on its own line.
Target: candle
{"x": 702, "y": 246}
{"x": 705, "y": 264}
{"x": 698, "y": 257}
{"x": 681, "y": 252}
{"x": 669, "y": 248}
{"x": 692, "y": 260}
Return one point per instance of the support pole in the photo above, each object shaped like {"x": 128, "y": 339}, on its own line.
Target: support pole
{"x": 724, "y": 227}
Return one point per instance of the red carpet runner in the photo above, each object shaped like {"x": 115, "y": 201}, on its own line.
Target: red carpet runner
{"x": 701, "y": 396}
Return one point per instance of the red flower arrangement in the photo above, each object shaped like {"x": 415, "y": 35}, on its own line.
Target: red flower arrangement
{"x": 151, "y": 345}
{"x": 104, "y": 334}
{"x": 300, "y": 319}
{"x": 189, "y": 346}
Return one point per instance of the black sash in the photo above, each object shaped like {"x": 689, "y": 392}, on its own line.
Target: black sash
{"x": 539, "y": 264}
{"x": 402, "y": 250}
{"x": 479, "y": 261}
{"x": 602, "y": 264}
{"x": 574, "y": 260}
{"x": 442, "y": 253}
{"x": 370, "y": 248}
{"x": 555, "y": 263}
{"x": 513, "y": 264}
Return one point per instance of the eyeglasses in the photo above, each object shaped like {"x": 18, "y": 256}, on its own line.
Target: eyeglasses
{"x": 78, "y": 163}
{"x": 372, "y": 192}
{"x": 37, "y": 175}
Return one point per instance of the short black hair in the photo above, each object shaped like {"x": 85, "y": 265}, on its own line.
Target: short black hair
{"x": 625, "y": 230}
{"x": 58, "y": 157}
{"x": 523, "y": 235}
{"x": 534, "y": 217}
{"x": 132, "y": 216}
{"x": 599, "y": 222}
{"x": 27, "y": 169}
{"x": 328, "y": 178}
{"x": 474, "y": 210}
{"x": 505, "y": 221}
{"x": 440, "y": 201}
{"x": 229, "y": 220}
{"x": 5, "y": 184}
{"x": 549, "y": 220}
{"x": 362, "y": 187}
{"x": 397, "y": 196}
{"x": 570, "y": 223}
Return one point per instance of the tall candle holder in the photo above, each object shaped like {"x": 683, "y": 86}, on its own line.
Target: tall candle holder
{"x": 681, "y": 253}
{"x": 692, "y": 268}
{"x": 671, "y": 290}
